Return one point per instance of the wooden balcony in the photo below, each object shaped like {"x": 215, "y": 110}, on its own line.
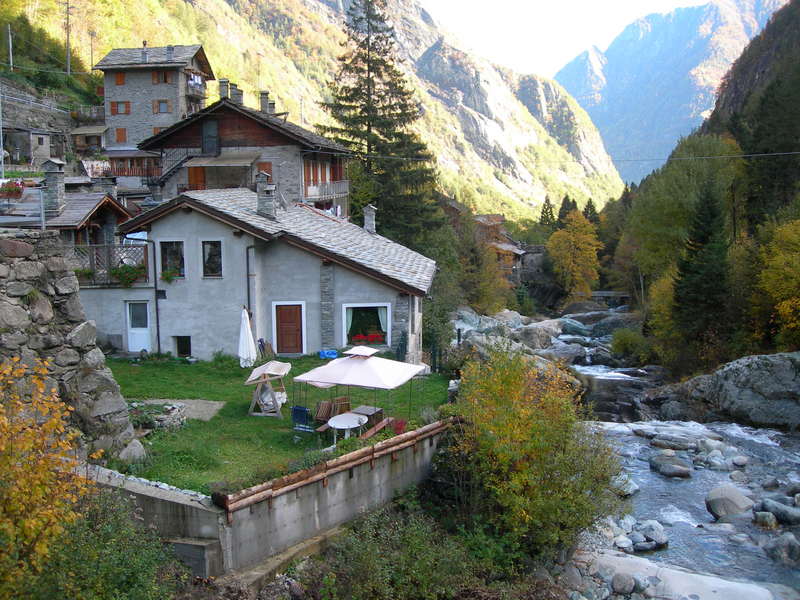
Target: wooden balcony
{"x": 135, "y": 171}
{"x": 196, "y": 90}
{"x": 99, "y": 265}
{"x": 329, "y": 190}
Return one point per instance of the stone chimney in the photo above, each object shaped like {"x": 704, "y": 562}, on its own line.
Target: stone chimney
{"x": 156, "y": 196}
{"x": 170, "y": 53}
{"x": 224, "y": 90}
{"x": 144, "y": 51}
{"x": 53, "y": 186}
{"x": 265, "y": 192}
{"x": 369, "y": 218}
{"x": 237, "y": 95}
{"x": 271, "y": 107}
{"x": 107, "y": 185}
{"x": 263, "y": 97}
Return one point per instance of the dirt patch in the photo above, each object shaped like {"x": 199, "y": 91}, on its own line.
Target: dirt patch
{"x": 203, "y": 410}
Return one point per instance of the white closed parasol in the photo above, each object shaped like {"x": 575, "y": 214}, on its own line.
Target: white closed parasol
{"x": 247, "y": 347}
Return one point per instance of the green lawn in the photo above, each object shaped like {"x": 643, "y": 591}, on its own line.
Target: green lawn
{"x": 233, "y": 448}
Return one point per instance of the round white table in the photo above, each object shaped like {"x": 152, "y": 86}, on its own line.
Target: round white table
{"x": 346, "y": 421}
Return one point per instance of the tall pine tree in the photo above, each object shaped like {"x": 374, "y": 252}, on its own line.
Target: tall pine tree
{"x": 548, "y": 218}
{"x": 701, "y": 289}
{"x": 567, "y": 206}
{"x": 591, "y": 214}
{"x": 374, "y": 110}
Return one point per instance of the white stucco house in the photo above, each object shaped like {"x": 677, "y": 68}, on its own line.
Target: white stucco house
{"x": 311, "y": 280}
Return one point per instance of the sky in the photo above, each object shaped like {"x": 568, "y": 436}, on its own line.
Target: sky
{"x": 540, "y": 36}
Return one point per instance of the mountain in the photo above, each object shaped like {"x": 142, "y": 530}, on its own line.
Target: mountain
{"x": 657, "y": 81}
{"x": 502, "y": 141}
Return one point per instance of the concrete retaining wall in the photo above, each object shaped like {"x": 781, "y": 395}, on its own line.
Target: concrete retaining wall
{"x": 213, "y": 541}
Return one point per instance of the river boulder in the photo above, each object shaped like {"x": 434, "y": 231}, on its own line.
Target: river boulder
{"x": 787, "y": 515}
{"x": 670, "y": 466}
{"x": 762, "y": 390}
{"x": 785, "y": 549}
{"x": 538, "y": 336}
{"x": 726, "y": 500}
{"x": 573, "y": 327}
{"x": 616, "y": 321}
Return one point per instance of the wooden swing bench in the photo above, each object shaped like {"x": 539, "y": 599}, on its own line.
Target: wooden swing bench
{"x": 268, "y": 397}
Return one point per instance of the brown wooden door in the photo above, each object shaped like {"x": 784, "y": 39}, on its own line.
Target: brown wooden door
{"x": 289, "y": 328}
{"x": 197, "y": 178}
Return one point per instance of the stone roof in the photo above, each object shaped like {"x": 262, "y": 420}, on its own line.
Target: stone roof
{"x": 78, "y": 207}
{"x": 182, "y": 55}
{"x": 301, "y": 134}
{"x": 334, "y": 236}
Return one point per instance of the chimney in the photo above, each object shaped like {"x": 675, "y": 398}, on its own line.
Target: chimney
{"x": 170, "y": 53}
{"x": 265, "y": 192}
{"x": 271, "y": 107}
{"x": 264, "y": 101}
{"x": 54, "y": 186}
{"x": 237, "y": 95}
{"x": 156, "y": 196}
{"x": 369, "y": 218}
{"x": 144, "y": 51}
{"x": 224, "y": 90}
{"x": 105, "y": 184}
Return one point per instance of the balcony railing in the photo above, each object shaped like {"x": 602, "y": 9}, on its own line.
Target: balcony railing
{"x": 196, "y": 90}
{"x": 98, "y": 264}
{"x": 328, "y": 190}
{"x": 136, "y": 171}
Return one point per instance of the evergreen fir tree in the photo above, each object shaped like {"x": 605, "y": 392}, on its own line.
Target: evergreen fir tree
{"x": 373, "y": 109}
{"x": 567, "y": 206}
{"x": 590, "y": 212}
{"x": 548, "y": 218}
{"x": 700, "y": 295}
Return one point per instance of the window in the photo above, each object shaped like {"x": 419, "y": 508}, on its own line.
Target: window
{"x": 366, "y": 325}
{"x": 162, "y": 77}
{"x": 40, "y": 141}
{"x": 172, "y": 258}
{"x": 212, "y": 259}
{"x": 162, "y": 106}
{"x": 121, "y": 135}
{"x": 119, "y": 78}
{"x": 183, "y": 345}
{"x": 121, "y": 108}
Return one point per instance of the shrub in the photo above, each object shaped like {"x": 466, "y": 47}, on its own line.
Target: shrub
{"x": 106, "y": 554}
{"x": 524, "y": 466}
{"x": 127, "y": 274}
{"x": 391, "y": 554}
{"x": 630, "y": 343}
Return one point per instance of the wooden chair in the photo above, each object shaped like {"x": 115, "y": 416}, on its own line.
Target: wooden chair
{"x": 341, "y": 405}
{"x": 323, "y": 413}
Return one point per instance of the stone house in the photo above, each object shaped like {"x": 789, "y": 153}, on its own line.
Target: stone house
{"x": 311, "y": 280}
{"x": 146, "y": 90}
{"x": 226, "y": 144}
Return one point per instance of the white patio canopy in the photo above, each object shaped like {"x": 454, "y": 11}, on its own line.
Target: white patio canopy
{"x": 361, "y": 370}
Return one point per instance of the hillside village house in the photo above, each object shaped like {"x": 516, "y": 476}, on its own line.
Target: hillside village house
{"x": 258, "y": 219}
{"x": 146, "y": 90}
{"x": 312, "y": 280}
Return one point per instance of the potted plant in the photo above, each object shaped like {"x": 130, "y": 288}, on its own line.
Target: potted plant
{"x": 127, "y": 274}
{"x": 84, "y": 274}
{"x": 11, "y": 190}
{"x": 169, "y": 275}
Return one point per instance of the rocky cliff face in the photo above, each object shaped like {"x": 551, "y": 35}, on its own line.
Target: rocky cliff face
{"x": 508, "y": 140}
{"x": 41, "y": 317}
{"x": 658, "y": 79}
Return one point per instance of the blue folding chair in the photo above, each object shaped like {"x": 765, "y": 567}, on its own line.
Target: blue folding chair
{"x": 302, "y": 419}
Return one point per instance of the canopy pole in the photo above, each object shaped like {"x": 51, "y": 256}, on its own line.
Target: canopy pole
{"x": 410, "y": 388}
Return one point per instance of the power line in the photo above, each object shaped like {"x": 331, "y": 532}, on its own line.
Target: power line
{"x": 671, "y": 158}
{"x": 18, "y": 67}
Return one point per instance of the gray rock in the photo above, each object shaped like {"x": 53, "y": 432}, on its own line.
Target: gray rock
{"x": 623, "y": 542}
{"x": 133, "y": 452}
{"x": 83, "y": 335}
{"x": 785, "y": 549}
{"x": 41, "y": 310}
{"x": 636, "y": 537}
{"x": 627, "y": 523}
{"x": 674, "y": 442}
{"x": 538, "y": 336}
{"x": 94, "y": 359}
{"x": 28, "y": 270}
{"x": 67, "y": 285}
{"x": 644, "y": 546}
{"x": 727, "y": 500}
{"x": 563, "y": 353}
{"x": 16, "y": 289}
{"x": 15, "y": 248}
{"x": 67, "y": 357}
{"x": 571, "y": 577}
{"x": 797, "y": 499}
{"x": 670, "y": 466}
{"x": 56, "y": 264}
{"x": 584, "y": 306}
{"x": 73, "y": 309}
{"x": 738, "y": 477}
{"x": 788, "y": 515}
{"x": 573, "y": 327}
{"x": 510, "y": 317}
{"x": 654, "y": 532}
{"x": 616, "y": 321}
{"x": 622, "y": 583}
{"x": 640, "y": 582}
{"x": 107, "y": 403}
{"x": 771, "y": 483}
{"x": 13, "y": 317}
{"x": 623, "y": 485}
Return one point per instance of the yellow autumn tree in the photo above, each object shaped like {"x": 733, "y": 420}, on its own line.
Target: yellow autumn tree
{"x": 39, "y": 484}
{"x": 573, "y": 251}
{"x": 780, "y": 279}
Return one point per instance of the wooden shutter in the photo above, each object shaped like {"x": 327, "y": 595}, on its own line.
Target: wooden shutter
{"x": 122, "y": 135}
{"x": 307, "y": 173}
{"x": 113, "y": 108}
{"x": 169, "y": 106}
{"x": 155, "y": 106}
{"x": 155, "y": 77}
{"x": 265, "y": 167}
{"x": 127, "y": 107}
{"x": 119, "y": 78}
{"x": 170, "y": 76}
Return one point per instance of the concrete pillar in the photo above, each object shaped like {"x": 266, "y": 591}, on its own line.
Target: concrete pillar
{"x": 54, "y": 186}
{"x": 326, "y": 302}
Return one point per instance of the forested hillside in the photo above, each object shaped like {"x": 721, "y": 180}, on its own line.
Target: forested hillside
{"x": 711, "y": 244}
{"x": 658, "y": 79}
{"x": 502, "y": 142}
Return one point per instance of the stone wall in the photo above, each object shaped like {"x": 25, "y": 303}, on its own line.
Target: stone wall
{"x": 41, "y": 317}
